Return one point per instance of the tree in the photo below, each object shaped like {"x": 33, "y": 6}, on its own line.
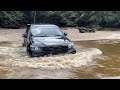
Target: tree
{"x": 12, "y": 19}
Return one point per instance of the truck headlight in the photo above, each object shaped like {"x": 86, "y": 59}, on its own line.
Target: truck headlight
{"x": 70, "y": 45}
{"x": 35, "y": 48}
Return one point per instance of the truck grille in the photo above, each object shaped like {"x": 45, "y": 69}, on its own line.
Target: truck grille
{"x": 55, "y": 49}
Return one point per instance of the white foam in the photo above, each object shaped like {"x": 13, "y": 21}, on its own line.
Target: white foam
{"x": 52, "y": 62}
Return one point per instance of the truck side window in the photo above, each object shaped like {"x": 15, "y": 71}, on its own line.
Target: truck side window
{"x": 27, "y": 30}
{"x": 28, "y": 36}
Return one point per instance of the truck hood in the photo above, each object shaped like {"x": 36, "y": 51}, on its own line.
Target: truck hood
{"x": 48, "y": 41}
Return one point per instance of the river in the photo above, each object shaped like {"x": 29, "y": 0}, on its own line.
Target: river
{"x": 94, "y": 59}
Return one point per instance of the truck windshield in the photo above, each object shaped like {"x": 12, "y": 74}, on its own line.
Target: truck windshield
{"x": 46, "y": 31}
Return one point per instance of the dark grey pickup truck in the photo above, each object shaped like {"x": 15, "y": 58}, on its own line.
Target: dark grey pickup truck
{"x": 46, "y": 39}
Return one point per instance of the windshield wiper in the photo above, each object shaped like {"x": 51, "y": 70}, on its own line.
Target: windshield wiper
{"x": 40, "y": 36}
{"x": 58, "y": 35}
{"x": 46, "y": 35}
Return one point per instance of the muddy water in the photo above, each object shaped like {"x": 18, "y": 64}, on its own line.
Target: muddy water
{"x": 94, "y": 59}
{"x": 107, "y": 66}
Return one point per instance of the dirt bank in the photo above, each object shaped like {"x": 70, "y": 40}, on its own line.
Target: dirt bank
{"x": 73, "y": 34}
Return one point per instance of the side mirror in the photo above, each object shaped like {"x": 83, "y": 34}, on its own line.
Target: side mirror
{"x": 24, "y": 35}
{"x": 77, "y": 27}
{"x": 65, "y": 34}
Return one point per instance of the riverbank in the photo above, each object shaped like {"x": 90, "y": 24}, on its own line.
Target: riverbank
{"x": 73, "y": 34}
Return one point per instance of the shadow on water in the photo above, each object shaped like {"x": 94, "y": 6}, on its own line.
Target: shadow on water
{"x": 5, "y": 43}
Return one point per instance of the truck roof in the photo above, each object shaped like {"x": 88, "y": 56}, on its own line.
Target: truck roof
{"x": 41, "y": 25}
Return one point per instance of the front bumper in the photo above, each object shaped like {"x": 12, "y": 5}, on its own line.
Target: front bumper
{"x": 73, "y": 51}
{"x": 52, "y": 52}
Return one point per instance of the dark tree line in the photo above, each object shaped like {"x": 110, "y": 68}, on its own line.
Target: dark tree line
{"x": 14, "y": 19}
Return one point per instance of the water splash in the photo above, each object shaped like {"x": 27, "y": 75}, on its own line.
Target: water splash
{"x": 19, "y": 58}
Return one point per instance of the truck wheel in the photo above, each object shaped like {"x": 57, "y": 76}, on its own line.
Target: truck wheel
{"x": 23, "y": 44}
{"x": 28, "y": 50}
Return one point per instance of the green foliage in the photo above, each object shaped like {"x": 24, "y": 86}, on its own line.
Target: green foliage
{"x": 14, "y": 19}
{"x": 11, "y": 19}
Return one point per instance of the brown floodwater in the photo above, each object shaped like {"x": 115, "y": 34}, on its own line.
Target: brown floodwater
{"x": 14, "y": 62}
{"x": 109, "y": 66}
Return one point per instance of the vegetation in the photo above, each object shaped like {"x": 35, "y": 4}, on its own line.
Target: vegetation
{"x": 15, "y": 19}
